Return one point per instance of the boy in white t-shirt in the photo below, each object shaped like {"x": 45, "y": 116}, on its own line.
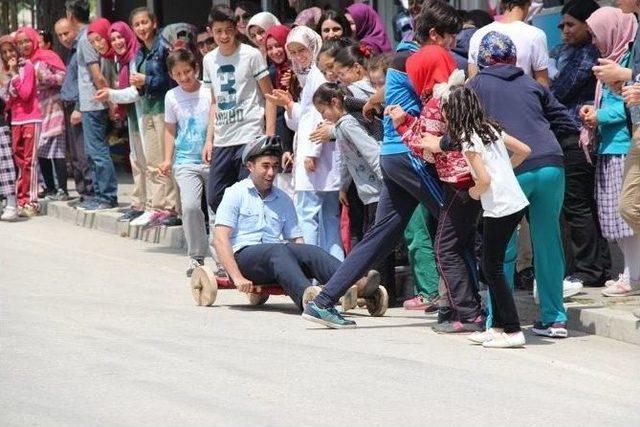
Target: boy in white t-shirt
{"x": 187, "y": 110}
{"x": 530, "y": 41}
{"x": 239, "y": 78}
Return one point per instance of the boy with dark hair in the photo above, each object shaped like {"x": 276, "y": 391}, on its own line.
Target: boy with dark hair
{"x": 239, "y": 78}
{"x": 94, "y": 115}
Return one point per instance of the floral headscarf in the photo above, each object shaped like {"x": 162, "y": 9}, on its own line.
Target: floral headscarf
{"x": 496, "y": 48}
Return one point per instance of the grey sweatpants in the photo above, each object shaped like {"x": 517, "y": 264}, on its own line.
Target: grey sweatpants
{"x": 192, "y": 181}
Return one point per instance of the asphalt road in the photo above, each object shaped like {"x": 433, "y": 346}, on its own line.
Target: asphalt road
{"x": 100, "y": 330}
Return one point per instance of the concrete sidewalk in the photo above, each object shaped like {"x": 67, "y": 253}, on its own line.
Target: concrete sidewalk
{"x": 588, "y": 312}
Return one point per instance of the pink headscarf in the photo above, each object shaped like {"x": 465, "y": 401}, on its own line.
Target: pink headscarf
{"x": 132, "y": 44}
{"x": 308, "y": 17}
{"x": 612, "y": 32}
{"x": 47, "y": 56}
{"x": 101, "y": 26}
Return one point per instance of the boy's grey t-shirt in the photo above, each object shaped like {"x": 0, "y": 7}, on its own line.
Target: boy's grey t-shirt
{"x": 87, "y": 55}
{"x": 234, "y": 84}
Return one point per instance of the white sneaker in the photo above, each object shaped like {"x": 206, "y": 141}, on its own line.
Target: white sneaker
{"x": 10, "y": 213}
{"x": 622, "y": 288}
{"x": 570, "y": 287}
{"x": 488, "y": 335}
{"x": 142, "y": 220}
{"x": 620, "y": 277}
{"x": 505, "y": 340}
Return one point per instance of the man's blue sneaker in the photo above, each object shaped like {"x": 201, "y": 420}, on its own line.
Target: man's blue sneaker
{"x": 328, "y": 317}
{"x": 88, "y": 206}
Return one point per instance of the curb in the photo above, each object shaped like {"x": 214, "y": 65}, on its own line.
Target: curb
{"x": 107, "y": 221}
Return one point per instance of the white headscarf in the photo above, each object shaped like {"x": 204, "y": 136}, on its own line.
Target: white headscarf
{"x": 264, "y": 20}
{"x": 309, "y": 39}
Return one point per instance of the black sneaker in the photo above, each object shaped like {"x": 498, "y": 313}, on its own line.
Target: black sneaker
{"x": 444, "y": 314}
{"x": 524, "y": 279}
{"x": 456, "y": 327}
{"x": 129, "y": 215}
{"x": 193, "y": 264}
{"x": 172, "y": 221}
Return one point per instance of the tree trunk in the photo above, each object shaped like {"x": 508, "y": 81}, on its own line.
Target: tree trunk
{"x": 48, "y": 12}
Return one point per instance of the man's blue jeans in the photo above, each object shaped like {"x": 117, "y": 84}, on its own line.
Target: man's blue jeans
{"x": 94, "y": 124}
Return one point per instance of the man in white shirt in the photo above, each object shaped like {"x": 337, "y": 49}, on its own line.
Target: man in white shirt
{"x": 530, "y": 41}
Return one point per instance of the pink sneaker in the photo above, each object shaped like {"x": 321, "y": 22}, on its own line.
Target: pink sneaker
{"x": 621, "y": 288}
{"x": 157, "y": 217}
{"x": 415, "y": 303}
{"x": 428, "y": 304}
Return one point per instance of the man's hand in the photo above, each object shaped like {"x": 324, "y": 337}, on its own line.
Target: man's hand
{"x": 397, "y": 114}
{"x": 102, "y": 95}
{"x": 310, "y": 164}
{"x": 165, "y": 168}
{"x": 242, "y": 284}
{"x": 75, "y": 118}
{"x": 608, "y": 71}
{"x": 344, "y": 198}
{"x": 137, "y": 80}
{"x": 322, "y": 133}
{"x": 371, "y": 108}
{"x": 207, "y": 152}
{"x": 631, "y": 94}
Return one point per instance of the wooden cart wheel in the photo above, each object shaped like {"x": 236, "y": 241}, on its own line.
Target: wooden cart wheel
{"x": 204, "y": 286}
{"x": 378, "y": 304}
{"x": 350, "y": 299}
{"x": 257, "y": 299}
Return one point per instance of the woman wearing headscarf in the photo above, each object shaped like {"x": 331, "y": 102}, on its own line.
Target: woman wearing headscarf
{"x": 574, "y": 85}
{"x": 26, "y": 120}
{"x": 8, "y": 52}
{"x": 530, "y": 113}
{"x": 606, "y": 121}
{"x": 125, "y": 45}
{"x": 50, "y": 72}
{"x": 369, "y": 28}
{"x": 275, "y": 40}
{"x": 258, "y": 25}
{"x": 316, "y": 171}
{"x": 308, "y": 17}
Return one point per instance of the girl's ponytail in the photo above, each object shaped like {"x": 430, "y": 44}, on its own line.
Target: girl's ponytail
{"x": 329, "y": 91}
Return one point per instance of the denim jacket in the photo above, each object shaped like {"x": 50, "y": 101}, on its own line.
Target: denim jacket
{"x": 157, "y": 81}
{"x": 575, "y": 84}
